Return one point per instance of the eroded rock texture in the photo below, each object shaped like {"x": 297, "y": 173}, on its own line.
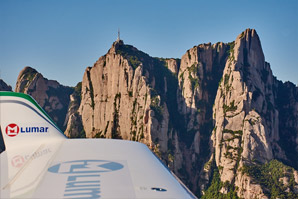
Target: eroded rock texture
{"x": 217, "y": 117}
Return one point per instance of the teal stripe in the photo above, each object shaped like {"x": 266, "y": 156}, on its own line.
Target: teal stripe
{"x": 30, "y": 99}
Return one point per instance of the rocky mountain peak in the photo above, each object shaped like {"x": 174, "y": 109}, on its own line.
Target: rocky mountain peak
{"x": 246, "y": 131}
{"x": 26, "y": 76}
{"x": 217, "y": 117}
{"x": 248, "y": 49}
{"x": 50, "y": 95}
{"x": 115, "y": 46}
{"x": 4, "y": 86}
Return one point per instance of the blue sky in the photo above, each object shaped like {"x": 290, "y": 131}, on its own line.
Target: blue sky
{"x": 60, "y": 38}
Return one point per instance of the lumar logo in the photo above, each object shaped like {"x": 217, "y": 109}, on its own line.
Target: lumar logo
{"x": 12, "y": 130}
{"x": 85, "y": 166}
{"x": 83, "y": 176}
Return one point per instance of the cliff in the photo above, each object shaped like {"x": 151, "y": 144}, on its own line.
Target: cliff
{"x": 51, "y": 96}
{"x": 247, "y": 132}
{"x": 217, "y": 117}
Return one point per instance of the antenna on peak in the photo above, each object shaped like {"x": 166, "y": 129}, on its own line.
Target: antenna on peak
{"x": 118, "y": 39}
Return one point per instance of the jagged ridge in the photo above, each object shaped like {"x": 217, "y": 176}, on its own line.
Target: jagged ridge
{"x": 216, "y": 117}
{"x": 52, "y": 96}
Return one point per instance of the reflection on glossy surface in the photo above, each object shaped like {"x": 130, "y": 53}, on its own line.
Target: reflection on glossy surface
{"x": 22, "y": 169}
{"x": 39, "y": 162}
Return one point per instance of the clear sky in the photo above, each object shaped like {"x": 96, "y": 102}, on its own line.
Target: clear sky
{"x": 60, "y": 38}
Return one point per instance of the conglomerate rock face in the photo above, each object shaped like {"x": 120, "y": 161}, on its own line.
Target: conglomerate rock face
{"x": 115, "y": 98}
{"x": 246, "y": 115}
{"x": 49, "y": 94}
{"x": 217, "y": 117}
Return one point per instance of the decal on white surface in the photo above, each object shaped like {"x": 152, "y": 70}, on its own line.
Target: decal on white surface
{"x": 13, "y": 129}
{"x": 83, "y": 179}
{"x": 17, "y": 161}
{"x": 85, "y": 166}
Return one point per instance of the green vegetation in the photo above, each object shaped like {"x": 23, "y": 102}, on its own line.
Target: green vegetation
{"x": 156, "y": 71}
{"x": 193, "y": 71}
{"x": 213, "y": 191}
{"x": 171, "y": 158}
{"x": 237, "y": 150}
{"x": 227, "y": 77}
{"x": 131, "y": 54}
{"x": 115, "y": 127}
{"x": 133, "y": 135}
{"x": 239, "y": 132}
{"x": 133, "y": 121}
{"x": 28, "y": 75}
{"x": 232, "y": 107}
{"x": 193, "y": 68}
{"x": 219, "y": 83}
{"x": 155, "y": 106}
{"x": 99, "y": 135}
{"x": 77, "y": 127}
{"x": 252, "y": 121}
{"x": 134, "y": 62}
{"x": 194, "y": 82}
{"x": 231, "y": 51}
{"x": 227, "y": 85}
{"x": 130, "y": 94}
{"x": 77, "y": 93}
{"x": 82, "y": 134}
{"x": 269, "y": 176}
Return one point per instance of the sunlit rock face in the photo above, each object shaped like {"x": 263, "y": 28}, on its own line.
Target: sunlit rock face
{"x": 217, "y": 117}
{"x": 51, "y": 96}
{"x": 247, "y": 117}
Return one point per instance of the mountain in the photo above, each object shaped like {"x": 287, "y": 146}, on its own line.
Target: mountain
{"x": 4, "y": 86}
{"x": 49, "y": 94}
{"x": 247, "y": 136}
{"x": 217, "y": 117}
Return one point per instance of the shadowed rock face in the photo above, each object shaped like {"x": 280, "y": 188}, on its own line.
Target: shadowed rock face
{"x": 4, "y": 86}
{"x": 217, "y": 117}
{"x": 51, "y": 96}
{"x": 247, "y": 120}
{"x": 73, "y": 119}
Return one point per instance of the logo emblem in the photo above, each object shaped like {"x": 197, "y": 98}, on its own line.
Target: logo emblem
{"x": 85, "y": 166}
{"x": 12, "y": 130}
{"x": 17, "y": 161}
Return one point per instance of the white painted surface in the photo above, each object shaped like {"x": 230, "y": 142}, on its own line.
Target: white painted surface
{"x": 47, "y": 165}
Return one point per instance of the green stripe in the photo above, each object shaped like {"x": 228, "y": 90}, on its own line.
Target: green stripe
{"x": 30, "y": 99}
